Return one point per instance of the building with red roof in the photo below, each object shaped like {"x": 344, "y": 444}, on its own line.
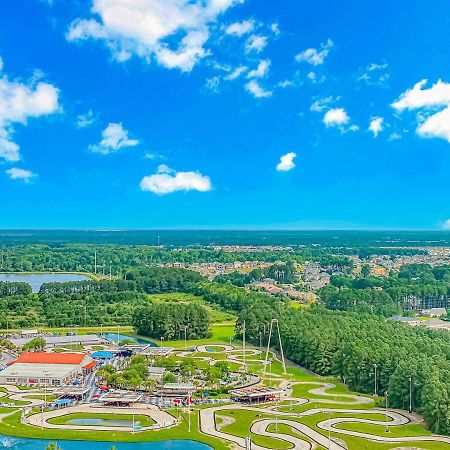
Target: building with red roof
{"x": 40, "y": 369}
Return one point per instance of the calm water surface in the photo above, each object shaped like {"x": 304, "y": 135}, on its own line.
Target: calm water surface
{"x": 36, "y": 280}
{"x": 40, "y": 444}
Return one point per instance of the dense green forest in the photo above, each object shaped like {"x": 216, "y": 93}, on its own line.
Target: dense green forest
{"x": 168, "y": 320}
{"x": 89, "y": 302}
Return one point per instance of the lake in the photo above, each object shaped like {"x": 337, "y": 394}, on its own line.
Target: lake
{"x": 36, "y": 280}
{"x": 40, "y": 444}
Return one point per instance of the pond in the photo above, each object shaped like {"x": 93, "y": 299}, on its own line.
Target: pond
{"x": 112, "y": 337}
{"x": 105, "y": 422}
{"x": 36, "y": 280}
{"x": 40, "y": 444}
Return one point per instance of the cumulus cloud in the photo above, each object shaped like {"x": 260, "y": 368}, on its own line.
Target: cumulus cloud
{"x": 20, "y": 174}
{"x": 376, "y": 125}
{"x": 261, "y": 70}
{"x": 313, "y": 56}
{"x": 374, "y": 74}
{"x": 166, "y": 181}
{"x": 254, "y": 88}
{"x": 114, "y": 138}
{"x": 256, "y": 43}
{"x": 240, "y": 28}
{"x": 173, "y": 32}
{"x": 20, "y": 101}
{"x": 336, "y": 117}
{"x": 286, "y": 162}
{"x": 446, "y": 225}
{"x": 434, "y": 106}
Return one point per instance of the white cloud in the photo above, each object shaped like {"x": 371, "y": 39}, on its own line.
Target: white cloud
{"x": 437, "y": 95}
{"x": 376, "y": 125}
{"x": 166, "y": 181}
{"x": 256, "y": 43}
{"x": 434, "y": 106}
{"x": 285, "y": 84}
{"x": 20, "y": 174}
{"x": 1, "y": 64}
{"x": 313, "y": 56}
{"x": 236, "y": 73}
{"x": 286, "y": 162}
{"x": 114, "y": 138}
{"x": 437, "y": 125}
{"x": 86, "y": 120}
{"x": 375, "y": 74}
{"x": 321, "y": 104}
{"x": 173, "y": 32}
{"x": 257, "y": 90}
{"x": 261, "y": 71}
{"x": 446, "y": 225}
{"x": 240, "y": 28}
{"x": 20, "y": 101}
{"x": 336, "y": 117}
{"x": 275, "y": 28}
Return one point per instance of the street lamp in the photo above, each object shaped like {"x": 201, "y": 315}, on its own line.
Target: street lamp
{"x": 375, "y": 390}
{"x": 386, "y": 396}
{"x": 410, "y": 395}
{"x": 162, "y": 339}
{"x": 185, "y": 337}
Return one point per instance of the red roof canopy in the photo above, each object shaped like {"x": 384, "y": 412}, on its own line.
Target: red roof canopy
{"x": 51, "y": 358}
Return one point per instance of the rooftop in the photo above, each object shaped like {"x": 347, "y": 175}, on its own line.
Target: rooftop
{"x": 51, "y": 358}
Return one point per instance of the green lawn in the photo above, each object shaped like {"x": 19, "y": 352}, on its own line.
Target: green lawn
{"x": 220, "y": 334}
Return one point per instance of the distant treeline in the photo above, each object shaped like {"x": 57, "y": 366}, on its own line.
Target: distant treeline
{"x": 119, "y": 258}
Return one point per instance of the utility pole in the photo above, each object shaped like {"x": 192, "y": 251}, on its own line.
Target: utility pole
{"x": 185, "y": 337}
{"x": 375, "y": 388}
{"x": 95, "y": 262}
{"x": 243, "y": 341}
{"x": 386, "y": 396}
{"x": 410, "y": 394}
{"x": 110, "y": 271}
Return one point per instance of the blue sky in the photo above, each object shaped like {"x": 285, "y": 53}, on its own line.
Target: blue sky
{"x": 224, "y": 113}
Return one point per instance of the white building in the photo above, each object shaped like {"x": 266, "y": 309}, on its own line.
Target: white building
{"x": 44, "y": 369}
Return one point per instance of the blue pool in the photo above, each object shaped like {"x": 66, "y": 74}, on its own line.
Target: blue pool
{"x": 40, "y": 444}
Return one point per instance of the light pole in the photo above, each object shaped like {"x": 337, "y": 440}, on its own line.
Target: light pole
{"x": 185, "y": 337}
{"x": 329, "y": 431}
{"x": 375, "y": 388}
{"x": 410, "y": 395}
{"x": 386, "y": 396}
{"x": 161, "y": 340}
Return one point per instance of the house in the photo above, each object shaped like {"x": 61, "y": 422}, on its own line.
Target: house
{"x": 45, "y": 369}
{"x": 412, "y": 321}
{"x": 156, "y": 373}
{"x": 434, "y": 312}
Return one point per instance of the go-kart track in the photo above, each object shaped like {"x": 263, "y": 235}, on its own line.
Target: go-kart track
{"x": 269, "y": 420}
